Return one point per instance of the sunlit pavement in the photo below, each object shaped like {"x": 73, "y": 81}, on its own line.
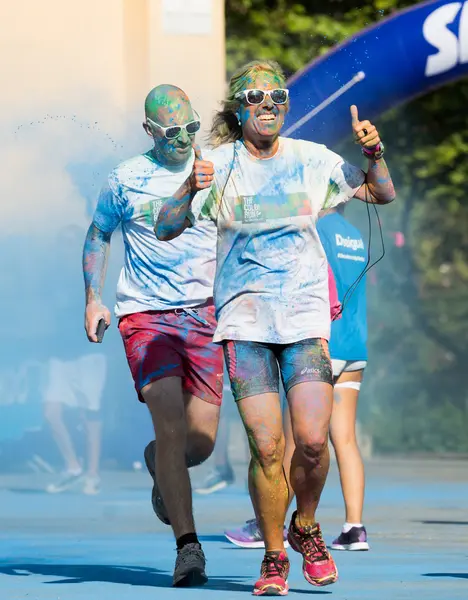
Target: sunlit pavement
{"x": 71, "y": 546}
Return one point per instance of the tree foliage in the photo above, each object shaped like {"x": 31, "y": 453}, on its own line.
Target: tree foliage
{"x": 293, "y": 32}
{"x": 414, "y": 398}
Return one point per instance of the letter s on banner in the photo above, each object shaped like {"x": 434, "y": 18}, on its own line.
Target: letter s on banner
{"x": 437, "y": 34}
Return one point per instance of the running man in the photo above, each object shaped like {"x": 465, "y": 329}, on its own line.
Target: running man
{"x": 166, "y": 314}
{"x": 271, "y": 293}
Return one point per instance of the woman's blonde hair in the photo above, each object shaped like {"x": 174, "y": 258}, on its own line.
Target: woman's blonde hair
{"x": 225, "y": 127}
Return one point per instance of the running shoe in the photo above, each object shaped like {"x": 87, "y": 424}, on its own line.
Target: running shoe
{"x": 354, "y": 539}
{"x": 250, "y": 536}
{"x": 190, "y": 567}
{"x": 92, "y": 486}
{"x": 273, "y": 575}
{"x": 216, "y": 481}
{"x": 156, "y": 499}
{"x": 318, "y": 565}
{"x": 66, "y": 481}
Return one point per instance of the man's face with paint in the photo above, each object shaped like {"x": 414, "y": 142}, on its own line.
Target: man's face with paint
{"x": 264, "y": 121}
{"x": 171, "y": 111}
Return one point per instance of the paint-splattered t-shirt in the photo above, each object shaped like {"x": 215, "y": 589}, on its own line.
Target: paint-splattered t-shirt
{"x": 156, "y": 275}
{"x": 271, "y": 281}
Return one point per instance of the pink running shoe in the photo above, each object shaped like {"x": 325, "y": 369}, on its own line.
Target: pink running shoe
{"x": 250, "y": 536}
{"x": 318, "y": 565}
{"x": 273, "y": 575}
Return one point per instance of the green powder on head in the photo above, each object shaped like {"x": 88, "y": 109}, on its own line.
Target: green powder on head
{"x": 165, "y": 100}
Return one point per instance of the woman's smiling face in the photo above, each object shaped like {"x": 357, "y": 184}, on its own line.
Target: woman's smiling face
{"x": 262, "y": 122}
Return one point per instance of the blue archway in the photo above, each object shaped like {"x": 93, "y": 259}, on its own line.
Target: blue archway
{"x": 385, "y": 65}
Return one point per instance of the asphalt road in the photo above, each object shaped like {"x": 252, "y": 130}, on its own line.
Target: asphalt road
{"x": 111, "y": 547}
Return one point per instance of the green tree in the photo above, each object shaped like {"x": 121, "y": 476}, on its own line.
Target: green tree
{"x": 293, "y": 32}
{"x": 414, "y": 398}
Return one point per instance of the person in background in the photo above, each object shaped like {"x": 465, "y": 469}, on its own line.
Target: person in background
{"x": 75, "y": 372}
{"x": 347, "y": 254}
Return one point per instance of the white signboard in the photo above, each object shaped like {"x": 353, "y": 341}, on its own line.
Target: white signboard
{"x": 187, "y": 17}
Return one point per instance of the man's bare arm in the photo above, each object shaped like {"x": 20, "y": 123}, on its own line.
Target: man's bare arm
{"x": 173, "y": 217}
{"x": 95, "y": 258}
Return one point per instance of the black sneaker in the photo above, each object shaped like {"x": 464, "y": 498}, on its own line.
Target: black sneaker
{"x": 354, "y": 539}
{"x": 156, "y": 499}
{"x": 190, "y": 567}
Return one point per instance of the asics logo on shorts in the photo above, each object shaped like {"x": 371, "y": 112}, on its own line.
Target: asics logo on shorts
{"x": 307, "y": 371}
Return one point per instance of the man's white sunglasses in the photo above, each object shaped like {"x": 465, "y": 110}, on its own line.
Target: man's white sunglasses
{"x": 174, "y": 131}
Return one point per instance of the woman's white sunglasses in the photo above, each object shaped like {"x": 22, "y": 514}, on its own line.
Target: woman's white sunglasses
{"x": 278, "y": 96}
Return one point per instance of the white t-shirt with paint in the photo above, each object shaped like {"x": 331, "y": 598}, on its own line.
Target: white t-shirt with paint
{"x": 271, "y": 280}
{"x": 156, "y": 275}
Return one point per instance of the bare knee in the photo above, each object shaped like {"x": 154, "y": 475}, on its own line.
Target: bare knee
{"x": 269, "y": 454}
{"x": 344, "y": 440}
{"x": 199, "y": 448}
{"x": 312, "y": 447}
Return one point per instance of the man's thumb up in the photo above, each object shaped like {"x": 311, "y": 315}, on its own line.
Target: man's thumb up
{"x": 197, "y": 150}
{"x": 202, "y": 171}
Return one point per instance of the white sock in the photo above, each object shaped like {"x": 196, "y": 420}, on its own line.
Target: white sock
{"x": 347, "y": 526}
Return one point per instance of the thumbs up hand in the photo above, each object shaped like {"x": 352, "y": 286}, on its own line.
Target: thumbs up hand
{"x": 365, "y": 133}
{"x": 202, "y": 172}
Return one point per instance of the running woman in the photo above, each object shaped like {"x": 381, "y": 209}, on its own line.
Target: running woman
{"x": 271, "y": 295}
{"x": 166, "y": 314}
{"x": 222, "y": 475}
{"x": 347, "y": 253}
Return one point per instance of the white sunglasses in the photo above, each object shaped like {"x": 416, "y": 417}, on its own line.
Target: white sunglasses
{"x": 278, "y": 96}
{"x": 173, "y": 131}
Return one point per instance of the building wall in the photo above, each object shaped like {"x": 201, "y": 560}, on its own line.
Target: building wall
{"x": 57, "y": 54}
{"x": 74, "y": 78}
{"x": 196, "y": 61}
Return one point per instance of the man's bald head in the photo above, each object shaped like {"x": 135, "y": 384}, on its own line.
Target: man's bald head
{"x": 168, "y": 105}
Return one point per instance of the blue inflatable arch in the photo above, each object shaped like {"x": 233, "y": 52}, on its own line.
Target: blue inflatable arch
{"x": 387, "y": 64}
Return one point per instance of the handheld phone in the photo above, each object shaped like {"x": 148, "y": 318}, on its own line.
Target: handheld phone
{"x": 100, "y": 331}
